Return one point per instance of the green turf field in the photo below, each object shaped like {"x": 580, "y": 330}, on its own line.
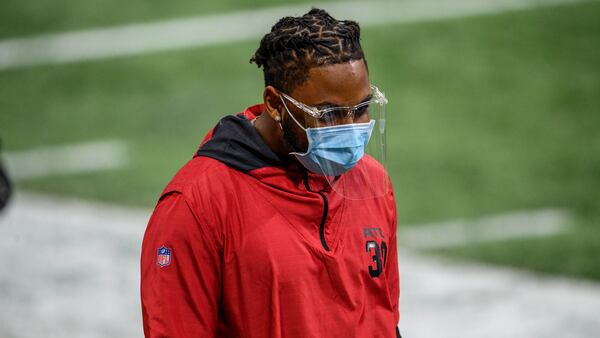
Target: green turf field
{"x": 487, "y": 114}
{"x": 30, "y": 17}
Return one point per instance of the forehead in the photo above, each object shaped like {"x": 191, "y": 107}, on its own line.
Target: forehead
{"x": 343, "y": 84}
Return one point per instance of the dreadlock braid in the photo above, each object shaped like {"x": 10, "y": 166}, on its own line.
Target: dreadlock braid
{"x": 296, "y": 44}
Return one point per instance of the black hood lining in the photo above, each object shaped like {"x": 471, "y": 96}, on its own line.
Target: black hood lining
{"x": 236, "y": 143}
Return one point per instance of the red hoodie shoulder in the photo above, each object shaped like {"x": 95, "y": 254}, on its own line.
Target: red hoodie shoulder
{"x": 207, "y": 169}
{"x": 199, "y": 175}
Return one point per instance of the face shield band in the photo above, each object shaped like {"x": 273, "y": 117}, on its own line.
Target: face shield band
{"x": 346, "y": 145}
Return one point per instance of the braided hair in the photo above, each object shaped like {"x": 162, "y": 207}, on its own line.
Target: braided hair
{"x": 296, "y": 44}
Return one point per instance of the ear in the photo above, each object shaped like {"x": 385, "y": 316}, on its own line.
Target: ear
{"x": 272, "y": 102}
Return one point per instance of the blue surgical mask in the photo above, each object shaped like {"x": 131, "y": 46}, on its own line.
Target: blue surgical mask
{"x": 336, "y": 149}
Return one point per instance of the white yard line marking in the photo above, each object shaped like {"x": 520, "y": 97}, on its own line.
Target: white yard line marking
{"x": 485, "y": 229}
{"x": 230, "y": 27}
{"x": 66, "y": 160}
{"x": 72, "y": 268}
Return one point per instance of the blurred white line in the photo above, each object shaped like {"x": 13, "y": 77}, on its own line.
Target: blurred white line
{"x": 485, "y": 229}
{"x": 66, "y": 160}
{"x": 230, "y": 27}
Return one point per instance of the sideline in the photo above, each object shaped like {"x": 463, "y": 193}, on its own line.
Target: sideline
{"x": 131, "y": 39}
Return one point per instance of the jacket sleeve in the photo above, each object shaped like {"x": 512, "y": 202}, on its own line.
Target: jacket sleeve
{"x": 181, "y": 295}
{"x": 392, "y": 274}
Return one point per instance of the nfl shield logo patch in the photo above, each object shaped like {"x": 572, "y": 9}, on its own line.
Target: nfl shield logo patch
{"x": 163, "y": 257}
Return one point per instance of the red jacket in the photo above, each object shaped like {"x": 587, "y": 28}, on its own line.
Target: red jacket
{"x": 245, "y": 243}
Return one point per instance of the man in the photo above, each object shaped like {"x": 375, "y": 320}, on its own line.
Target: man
{"x": 281, "y": 226}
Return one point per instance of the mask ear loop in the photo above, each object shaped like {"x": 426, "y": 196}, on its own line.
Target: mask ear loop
{"x": 290, "y": 114}
{"x": 280, "y": 123}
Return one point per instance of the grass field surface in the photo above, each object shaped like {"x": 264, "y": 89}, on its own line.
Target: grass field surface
{"x": 487, "y": 114}
{"x": 25, "y": 18}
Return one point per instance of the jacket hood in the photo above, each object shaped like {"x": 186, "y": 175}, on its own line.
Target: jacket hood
{"x": 235, "y": 142}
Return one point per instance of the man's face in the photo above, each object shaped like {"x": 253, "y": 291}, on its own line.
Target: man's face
{"x": 344, "y": 84}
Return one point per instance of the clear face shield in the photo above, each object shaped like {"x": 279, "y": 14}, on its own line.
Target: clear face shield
{"x": 346, "y": 145}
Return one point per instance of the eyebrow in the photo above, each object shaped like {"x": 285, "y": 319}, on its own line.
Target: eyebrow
{"x": 333, "y": 105}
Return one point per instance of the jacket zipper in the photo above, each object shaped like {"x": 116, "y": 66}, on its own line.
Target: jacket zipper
{"x": 325, "y": 211}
